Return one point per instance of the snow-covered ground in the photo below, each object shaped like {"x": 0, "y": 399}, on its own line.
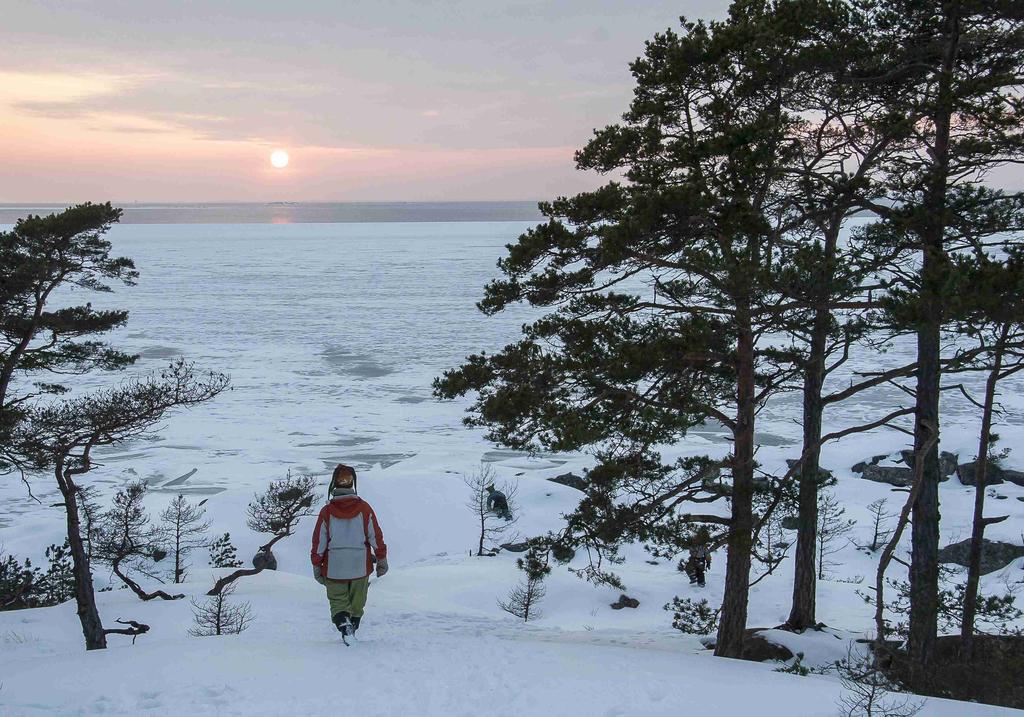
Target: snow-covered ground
{"x": 332, "y": 335}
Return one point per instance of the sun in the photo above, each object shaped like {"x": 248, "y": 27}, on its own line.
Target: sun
{"x": 279, "y": 158}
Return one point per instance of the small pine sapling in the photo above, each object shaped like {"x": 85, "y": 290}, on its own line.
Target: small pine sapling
{"x": 58, "y": 582}
{"x": 223, "y": 554}
{"x": 19, "y": 583}
{"x": 127, "y": 541}
{"x": 770, "y": 545}
{"x": 881, "y": 519}
{"x": 276, "y": 512}
{"x": 868, "y": 691}
{"x": 217, "y": 616}
{"x": 523, "y": 599}
{"x": 693, "y": 617}
{"x": 997, "y": 613}
{"x": 186, "y": 531}
{"x": 833, "y": 526}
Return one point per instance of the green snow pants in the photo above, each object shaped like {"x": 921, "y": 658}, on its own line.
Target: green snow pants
{"x": 348, "y": 596}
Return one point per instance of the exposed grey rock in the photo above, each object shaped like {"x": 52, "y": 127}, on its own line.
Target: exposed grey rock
{"x": 947, "y": 462}
{"x": 899, "y": 475}
{"x": 625, "y": 601}
{"x": 791, "y": 522}
{"x": 893, "y": 475}
{"x": 572, "y": 480}
{"x": 875, "y": 460}
{"x": 994, "y": 555}
{"x": 516, "y": 547}
{"x": 756, "y": 647}
{"x": 264, "y": 560}
{"x": 994, "y": 474}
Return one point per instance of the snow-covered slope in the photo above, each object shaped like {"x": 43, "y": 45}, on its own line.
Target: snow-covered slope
{"x": 418, "y": 654}
{"x": 332, "y": 334}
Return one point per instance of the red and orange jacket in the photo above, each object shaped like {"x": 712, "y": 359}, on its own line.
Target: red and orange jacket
{"x": 346, "y": 538}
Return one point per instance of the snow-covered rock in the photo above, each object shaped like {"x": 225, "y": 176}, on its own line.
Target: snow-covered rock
{"x": 994, "y": 554}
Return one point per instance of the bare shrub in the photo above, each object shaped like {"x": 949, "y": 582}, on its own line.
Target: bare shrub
{"x": 217, "y": 616}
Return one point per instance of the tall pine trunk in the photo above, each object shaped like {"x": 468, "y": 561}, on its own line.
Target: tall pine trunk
{"x": 85, "y": 597}
{"x": 802, "y": 613}
{"x": 733, "y": 623}
{"x": 978, "y": 525}
{"x": 924, "y": 565}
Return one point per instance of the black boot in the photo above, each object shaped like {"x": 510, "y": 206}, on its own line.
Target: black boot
{"x": 355, "y": 622}
{"x": 342, "y": 622}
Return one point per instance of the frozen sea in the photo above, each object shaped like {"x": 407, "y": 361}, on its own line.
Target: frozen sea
{"x": 332, "y": 333}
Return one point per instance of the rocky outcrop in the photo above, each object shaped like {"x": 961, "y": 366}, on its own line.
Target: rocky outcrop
{"x": 757, "y": 648}
{"x": 516, "y": 547}
{"x": 947, "y": 462}
{"x": 874, "y": 461}
{"x": 994, "y": 475}
{"x": 625, "y": 601}
{"x": 264, "y": 560}
{"x": 991, "y": 674}
{"x": 572, "y": 480}
{"x": 994, "y": 555}
{"x": 901, "y": 475}
{"x": 893, "y": 475}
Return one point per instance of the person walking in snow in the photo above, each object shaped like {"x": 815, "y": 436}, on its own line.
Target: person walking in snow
{"x": 700, "y": 557}
{"x": 497, "y": 503}
{"x": 347, "y": 540}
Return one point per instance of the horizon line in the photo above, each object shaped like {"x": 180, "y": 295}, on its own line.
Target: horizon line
{"x": 119, "y": 203}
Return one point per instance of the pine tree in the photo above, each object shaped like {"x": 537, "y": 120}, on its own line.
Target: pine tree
{"x": 39, "y": 256}
{"x": 223, "y": 553}
{"x": 523, "y": 600}
{"x": 880, "y": 518}
{"x": 833, "y": 526}
{"x": 127, "y": 541}
{"x": 62, "y": 436}
{"x": 186, "y": 531}
{"x": 989, "y": 310}
{"x": 58, "y": 582}
{"x": 662, "y": 289}
{"x": 275, "y": 512}
{"x": 950, "y": 72}
{"x": 19, "y": 583}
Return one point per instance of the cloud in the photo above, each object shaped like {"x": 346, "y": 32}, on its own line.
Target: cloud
{"x": 53, "y": 88}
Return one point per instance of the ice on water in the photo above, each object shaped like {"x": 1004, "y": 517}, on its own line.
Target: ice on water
{"x": 332, "y": 334}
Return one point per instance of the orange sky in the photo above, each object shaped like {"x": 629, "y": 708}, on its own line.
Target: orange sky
{"x": 137, "y": 158}
{"x": 165, "y": 101}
